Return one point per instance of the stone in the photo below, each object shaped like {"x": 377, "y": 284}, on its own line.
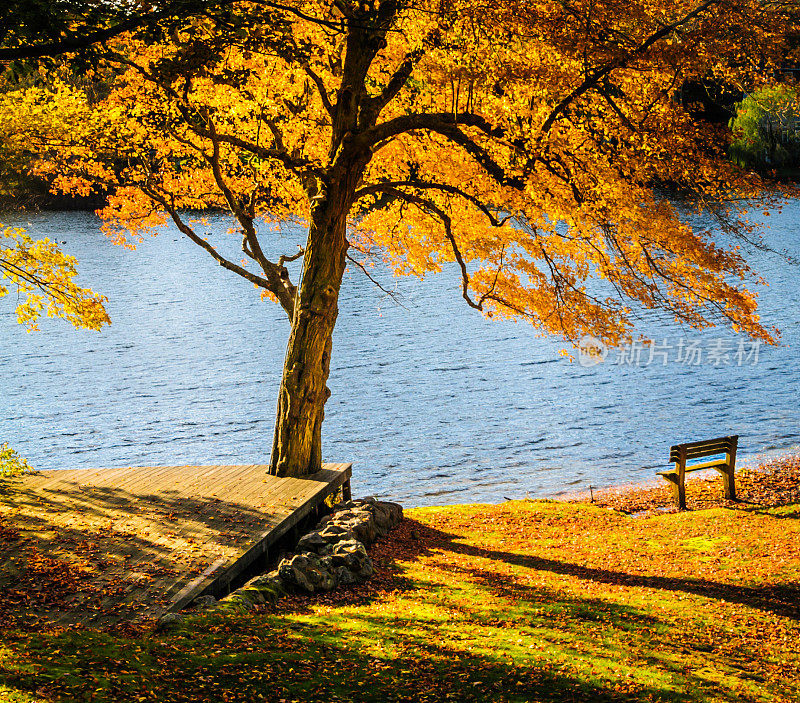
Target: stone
{"x": 203, "y": 602}
{"x": 352, "y": 555}
{"x": 328, "y": 577}
{"x": 334, "y": 533}
{"x": 395, "y": 511}
{"x": 312, "y": 542}
{"x": 236, "y": 602}
{"x": 383, "y": 519}
{"x": 319, "y": 541}
{"x": 332, "y": 554}
{"x": 308, "y": 571}
{"x": 360, "y": 524}
{"x": 345, "y": 577}
{"x": 270, "y": 584}
{"x": 254, "y": 595}
{"x": 169, "y": 620}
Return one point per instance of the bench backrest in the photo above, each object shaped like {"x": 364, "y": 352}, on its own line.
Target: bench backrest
{"x": 708, "y": 447}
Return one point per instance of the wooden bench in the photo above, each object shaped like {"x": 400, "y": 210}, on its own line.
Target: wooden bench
{"x": 681, "y": 453}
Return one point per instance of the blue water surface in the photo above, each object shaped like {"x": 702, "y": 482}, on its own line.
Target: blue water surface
{"x": 431, "y": 402}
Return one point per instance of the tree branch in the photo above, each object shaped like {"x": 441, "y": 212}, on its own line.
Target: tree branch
{"x": 336, "y": 26}
{"x": 277, "y": 275}
{"x": 404, "y": 71}
{"x": 599, "y": 73}
{"x": 70, "y": 44}
{"x": 297, "y": 165}
{"x": 430, "y": 206}
{"x": 446, "y": 124}
{"x": 321, "y": 89}
{"x": 389, "y": 293}
{"x": 430, "y": 185}
{"x": 432, "y": 121}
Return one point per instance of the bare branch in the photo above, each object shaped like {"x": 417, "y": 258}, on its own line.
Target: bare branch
{"x": 433, "y": 208}
{"x": 389, "y": 293}
{"x": 192, "y": 235}
{"x": 277, "y": 275}
{"x": 283, "y": 258}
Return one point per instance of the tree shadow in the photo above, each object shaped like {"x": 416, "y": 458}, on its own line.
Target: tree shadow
{"x": 380, "y": 655}
{"x": 778, "y": 599}
{"x": 628, "y": 633}
{"x": 793, "y": 514}
{"x": 241, "y": 659}
{"x": 99, "y": 554}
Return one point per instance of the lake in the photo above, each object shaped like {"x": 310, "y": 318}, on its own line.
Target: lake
{"x": 431, "y": 402}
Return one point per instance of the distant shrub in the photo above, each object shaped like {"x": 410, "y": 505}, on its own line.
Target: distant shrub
{"x": 766, "y": 129}
{"x": 11, "y": 463}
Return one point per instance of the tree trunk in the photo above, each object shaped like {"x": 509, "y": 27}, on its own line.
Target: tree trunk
{"x": 297, "y": 443}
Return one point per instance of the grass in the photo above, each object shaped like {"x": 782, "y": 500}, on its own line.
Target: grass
{"x": 523, "y": 601}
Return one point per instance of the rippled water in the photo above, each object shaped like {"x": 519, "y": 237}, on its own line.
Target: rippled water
{"x": 431, "y": 402}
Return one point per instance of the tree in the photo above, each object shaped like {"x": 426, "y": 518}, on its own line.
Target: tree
{"x": 11, "y": 463}
{"x": 525, "y": 142}
{"x": 766, "y": 128}
{"x": 37, "y": 29}
{"x": 41, "y": 275}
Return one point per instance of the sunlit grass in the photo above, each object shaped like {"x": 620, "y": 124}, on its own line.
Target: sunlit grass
{"x": 525, "y": 601}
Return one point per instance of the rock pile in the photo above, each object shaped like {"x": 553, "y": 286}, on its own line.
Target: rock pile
{"x": 332, "y": 554}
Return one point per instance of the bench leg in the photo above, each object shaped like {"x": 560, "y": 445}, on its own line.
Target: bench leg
{"x": 681, "y": 494}
{"x": 682, "y": 479}
{"x": 728, "y": 483}
{"x": 678, "y": 491}
{"x": 346, "y": 491}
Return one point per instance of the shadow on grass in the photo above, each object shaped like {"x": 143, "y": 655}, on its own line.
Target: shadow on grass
{"x": 268, "y": 658}
{"x": 782, "y": 600}
{"x": 76, "y": 553}
{"x": 433, "y": 645}
{"x": 793, "y": 514}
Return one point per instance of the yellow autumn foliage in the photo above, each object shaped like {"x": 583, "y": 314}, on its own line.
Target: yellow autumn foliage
{"x": 42, "y": 276}
{"x": 523, "y": 141}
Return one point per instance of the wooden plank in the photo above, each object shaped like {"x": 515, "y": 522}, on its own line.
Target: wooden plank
{"x": 283, "y": 492}
{"x": 701, "y": 442}
{"x": 699, "y": 455}
{"x": 137, "y": 499}
{"x": 164, "y": 477}
{"x": 722, "y": 443}
{"x": 327, "y": 481}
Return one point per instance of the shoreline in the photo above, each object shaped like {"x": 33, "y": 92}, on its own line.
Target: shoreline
{"x": 768, "y": 483}
{"x": 653, "y": 489}
{"x": 758, "y": 462}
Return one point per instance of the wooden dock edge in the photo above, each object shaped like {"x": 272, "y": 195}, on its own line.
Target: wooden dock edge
{"x": 216, "y": 580}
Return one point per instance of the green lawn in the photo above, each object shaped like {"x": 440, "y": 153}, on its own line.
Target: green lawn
{"x": 524, "y": 601}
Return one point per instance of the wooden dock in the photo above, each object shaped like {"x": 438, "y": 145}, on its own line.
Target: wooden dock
{"x": 123, "y": 544}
